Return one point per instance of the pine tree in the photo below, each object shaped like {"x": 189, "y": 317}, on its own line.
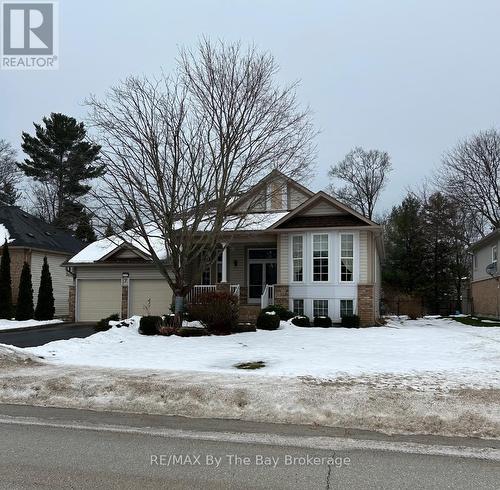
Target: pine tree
{"x": 109, "y": 231}
{"x": 60, "y": 156}
{"x": 24, "y": 307}
{"x": 128, "y": 222}
{"x": 84, "y": 230}
{"x": 45, "y": 302}
{"x": 5, "y": 283}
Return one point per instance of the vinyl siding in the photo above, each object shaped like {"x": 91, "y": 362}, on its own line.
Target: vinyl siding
{"x": 323, "y": 208}
{"x": 283, "y": 259}
{"x": 60, "y": 279}
{"x": 295, "y": 197}
{"x": 115, "y": 272}
{"x": 363, "y": 257}
{"x": 482, "y": 258}
{"x": 237, "y": 273}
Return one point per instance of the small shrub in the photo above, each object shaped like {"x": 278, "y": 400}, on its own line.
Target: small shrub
{"x": 322, "y": 321}
{"x": 167, "y": 331}
{"x": 301, "y": 321}
{"x": 268, "y": 320}
{"x": 350, "y": 321}
{"x": 150, "y": 325}
{"x": 218, "y": 310}
{"x": 244, "y": 327}
{"x": 412, "y": 315}
{"x": 281, "y": 311}
{"x": 103, "y": 324}
{"x": 192, "y": 332}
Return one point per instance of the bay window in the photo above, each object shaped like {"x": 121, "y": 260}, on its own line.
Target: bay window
{"x": 320, "y": 258}
{"x": 298, "y": 306}
{"x": 320, "y": 307}
{"x": 346, "y": 257}
{"x": 346, "y": 307}
{"x": 298, "y": 258}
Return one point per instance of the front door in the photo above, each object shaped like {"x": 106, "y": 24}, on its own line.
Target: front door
{"x": 262, "y": 270}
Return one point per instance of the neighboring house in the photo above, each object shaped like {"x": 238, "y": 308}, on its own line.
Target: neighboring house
{"x": 485, "y": 292}
{"x": 30, "y": 240}
{"x": 303, "y": 250}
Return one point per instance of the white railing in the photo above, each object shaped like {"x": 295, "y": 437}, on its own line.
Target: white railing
{"x": 200, "y": 289}
{"x": 267, "y": 297}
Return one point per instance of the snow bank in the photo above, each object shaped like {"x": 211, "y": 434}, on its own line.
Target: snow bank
{"x": 428, "y": 352}
{"x": 4, "y": 235}
{"x": 11, "y": 324}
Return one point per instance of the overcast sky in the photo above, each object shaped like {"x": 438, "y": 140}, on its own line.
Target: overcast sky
{"x": 407, "y": 76}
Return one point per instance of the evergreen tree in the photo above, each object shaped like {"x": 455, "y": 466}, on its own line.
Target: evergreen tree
{"x": 109, "y": 231}
{"x": 24, "y": 307}
{"x": 5, "y": 283}
{"x": 45, "y": 302}
{"x": 128, "y": 222}
{"x": 60, "y": 156}
{"x": 9, "y": 174}
{"x": 405, "y": 247}
{"x": 84, "y": 230}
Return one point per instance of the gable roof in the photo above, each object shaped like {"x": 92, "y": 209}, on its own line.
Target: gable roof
{"x": 351, "y": 217}
{"x": 25, "y": 230}
{"x": 269, "y": 177}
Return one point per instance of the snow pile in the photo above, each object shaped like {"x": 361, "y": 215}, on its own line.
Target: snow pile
{"x": 11, "y": 324}
{"x": 427, "y": 352}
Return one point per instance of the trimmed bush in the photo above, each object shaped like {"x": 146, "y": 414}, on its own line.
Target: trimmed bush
{"x": 5, "y": 284}
{"x": 218, "y": 310}
{"x": 150, "y": 325}
{"x": 103, "y": 324}
{"x": 281, "y": 311}
{"x": 24, "y": 307}
{"x": 268, "y": 320}
{"x": 192, "y": 332}
{"x": 350, "y": 321}
{"x": 45, "y": 304}
{"x": 322, "y": 321}
{"x": 301, "y": 321}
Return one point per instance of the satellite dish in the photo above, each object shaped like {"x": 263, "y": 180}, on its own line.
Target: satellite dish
{"x": 492, "y": 269}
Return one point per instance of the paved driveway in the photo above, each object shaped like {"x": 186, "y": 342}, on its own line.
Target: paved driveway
{"x": 42, "y": 335}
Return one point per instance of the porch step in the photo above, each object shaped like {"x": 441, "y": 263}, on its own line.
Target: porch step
{"x": 249, "y": 313}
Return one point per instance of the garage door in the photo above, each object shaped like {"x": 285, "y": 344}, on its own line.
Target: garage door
{"x": 98, "y": 299}
{"x": 153, "y": 295}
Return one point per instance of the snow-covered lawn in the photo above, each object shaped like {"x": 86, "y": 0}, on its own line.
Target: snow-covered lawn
{"x": 11, "y": 324}
{"x": 432, "y": 350}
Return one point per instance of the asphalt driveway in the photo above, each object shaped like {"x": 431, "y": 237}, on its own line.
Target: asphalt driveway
{"x": 42, "y": 335}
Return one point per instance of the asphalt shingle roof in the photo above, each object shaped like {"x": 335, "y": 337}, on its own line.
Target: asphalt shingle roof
{"x": 28, "y": 231}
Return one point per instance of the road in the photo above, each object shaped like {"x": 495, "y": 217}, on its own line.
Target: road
{"x": 42, "y": 335}
{"x": 60, "y": 448}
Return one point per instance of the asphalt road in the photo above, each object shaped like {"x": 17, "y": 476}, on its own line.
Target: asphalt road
{"x": 43, "y": 335}
{"x": 57, "y": 448}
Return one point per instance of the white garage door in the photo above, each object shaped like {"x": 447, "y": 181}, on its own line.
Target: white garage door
{"x": 98, "y": 299}
{"x": 149, "y": 295}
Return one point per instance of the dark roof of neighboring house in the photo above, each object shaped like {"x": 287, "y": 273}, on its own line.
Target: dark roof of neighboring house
{"x": 485, "y": 240}
{"x": 322, "y": 221}
{"x": 28, "y": 231}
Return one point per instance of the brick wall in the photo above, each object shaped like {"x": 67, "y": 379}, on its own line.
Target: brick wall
{"x": 17, "y": 258}
{"x": 124, "y": 312}
{"x": 71, "y": 303}
{"x": 282, "y": 295}
{"x": 484, "y": 297}
{"x": 366, "y": 309}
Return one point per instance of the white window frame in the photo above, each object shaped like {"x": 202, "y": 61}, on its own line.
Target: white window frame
{"x": 329, "y": 271}
{"x": 353, "y": 257}
{"x": 353, "y": 305}
{"x": 327, "y": 307}
{"x": 494, "y": 254}
{"x": 303, "y": 306}
{"x": 301, "y": 258}
{"x": 218, "y": 267}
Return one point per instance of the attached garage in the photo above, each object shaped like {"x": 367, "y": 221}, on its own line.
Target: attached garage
{"x": 97, "y": 299}
{"x": 152, "y": 296}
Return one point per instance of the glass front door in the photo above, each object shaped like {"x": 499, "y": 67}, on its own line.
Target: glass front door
{"x": 262, "y": 270}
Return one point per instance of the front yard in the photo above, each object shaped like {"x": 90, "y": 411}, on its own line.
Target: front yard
{"x": 428, "y": 351}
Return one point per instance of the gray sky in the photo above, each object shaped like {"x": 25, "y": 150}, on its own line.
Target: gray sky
{"x": 407, "y": 76}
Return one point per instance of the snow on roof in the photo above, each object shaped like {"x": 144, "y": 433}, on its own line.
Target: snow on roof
{"x": 4, "y": 235}
{"x": 253, "y": 221}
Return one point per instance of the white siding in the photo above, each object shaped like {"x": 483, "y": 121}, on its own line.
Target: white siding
{"x": 149, "y": 296}
{"x": 283, "y": 258}
{"x": 481, "y": 259}
{"x": 296, "y": 197}
{"x": 60, "y": 279}
{"x": 237, "y": 272}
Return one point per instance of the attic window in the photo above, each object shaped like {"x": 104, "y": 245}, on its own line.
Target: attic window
{"x": 30, "y": 235}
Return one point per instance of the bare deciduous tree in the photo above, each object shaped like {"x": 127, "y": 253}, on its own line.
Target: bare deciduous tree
{"x": 180, "y": 150}
{"x": 471, "y": 174}
{"x": 365, "y": 174}
{"x": 8, "y": 174}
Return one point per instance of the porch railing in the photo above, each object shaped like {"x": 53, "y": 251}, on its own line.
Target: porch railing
{"x": 200, "y": 289}
{"x": 267, "y": 297}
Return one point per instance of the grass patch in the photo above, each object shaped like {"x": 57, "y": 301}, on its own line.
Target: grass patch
{"x": 477, "y": 321}
{"x": 250, "y": 365}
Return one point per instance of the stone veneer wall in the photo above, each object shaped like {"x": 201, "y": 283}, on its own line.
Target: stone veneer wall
{"x": 71, "y": 303}
{"x": 484, "y": 297}
{"x": 124, "y": 312}
{"x": 366, "y": 310}
{"x": 282, "y": 295}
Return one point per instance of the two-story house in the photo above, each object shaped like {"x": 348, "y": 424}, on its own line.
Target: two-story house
{"x": 485, "y": 284}
{"x": 306, "y": 251}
